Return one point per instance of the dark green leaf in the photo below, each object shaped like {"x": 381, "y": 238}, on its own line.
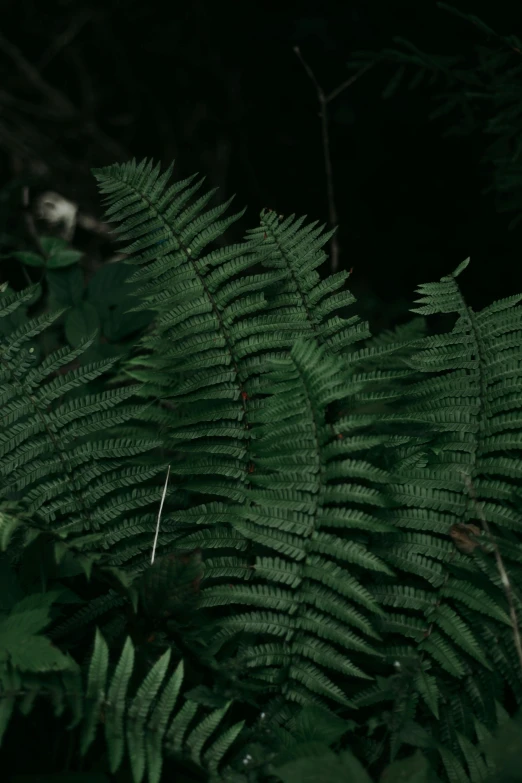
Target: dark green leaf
{"x": 117, "y": 324}
{"x": 328, "y": 768}
{"x": 316, "y": 723}
{"x": 107, "y": 287}
{"x": 52, "y": 245}
{"x": 414, "y": 769}
{"x": 80, "y": 322}
{"x": 64, "y": 777}
{"x": 63, "y": 258}
{"x": 28, "y": 258}
{"x": 66, "y": 286}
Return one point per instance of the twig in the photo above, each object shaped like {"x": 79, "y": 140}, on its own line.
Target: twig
{"x": 348, "y": 82}
{"x": 324, "y": 100}
{"x": 159, "y": 517}
{"x": 504, "y": 578}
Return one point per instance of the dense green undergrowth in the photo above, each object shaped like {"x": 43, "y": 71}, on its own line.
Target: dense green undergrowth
{"x": 258, "y": 543}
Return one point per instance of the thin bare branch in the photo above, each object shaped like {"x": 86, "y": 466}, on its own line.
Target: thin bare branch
{"x": 349, "y": 82}
{"x": 159, "y": 517}
{"x": 323, "y": 102}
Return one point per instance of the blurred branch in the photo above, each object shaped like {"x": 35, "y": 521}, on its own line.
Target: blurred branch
{"x": 31, "y": 74}
{"x": 66, "y": 38}
{"x": 59, "y": 104}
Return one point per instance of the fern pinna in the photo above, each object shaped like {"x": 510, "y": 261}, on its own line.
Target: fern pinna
{"x": 335, "y": 486}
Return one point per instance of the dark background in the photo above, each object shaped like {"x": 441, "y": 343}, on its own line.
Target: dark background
{"x": 218, "y": 87}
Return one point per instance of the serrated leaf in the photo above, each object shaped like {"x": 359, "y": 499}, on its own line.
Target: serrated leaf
{"x": 36, "y": 654}
{"x": 23, "y": 647}
{"x": 117, "y": 699}
{"x": 95, "y": 691}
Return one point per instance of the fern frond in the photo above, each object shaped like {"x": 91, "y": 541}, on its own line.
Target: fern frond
{"x": 303, "y": 583}
{"x": 147, "y": 727}
{"x": 56, "y": 451}
{"x": 468, "y": 374}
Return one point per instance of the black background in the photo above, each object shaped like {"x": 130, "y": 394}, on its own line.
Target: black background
{"x": 218, "y": 87}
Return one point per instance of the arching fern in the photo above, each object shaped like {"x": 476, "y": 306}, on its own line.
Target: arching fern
{"x": 331, "y": 483}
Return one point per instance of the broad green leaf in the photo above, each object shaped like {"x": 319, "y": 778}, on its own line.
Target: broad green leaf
{"x": 28, "y": 258}
{"x": 66, "y": 286}
{"x": 414, "y": 769}
{"x": 20, "y": 643}
{"x": 52, "y": 245}
{"x": 107, "y": 287}
{"x": 80, "y": 322}
{"x": 320, "y": 725}
{"x": 117, "y": 323}
{"x": 63, "y": 258}
{"x": 36, "y": 654}
{"x": 328, "y": 768}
